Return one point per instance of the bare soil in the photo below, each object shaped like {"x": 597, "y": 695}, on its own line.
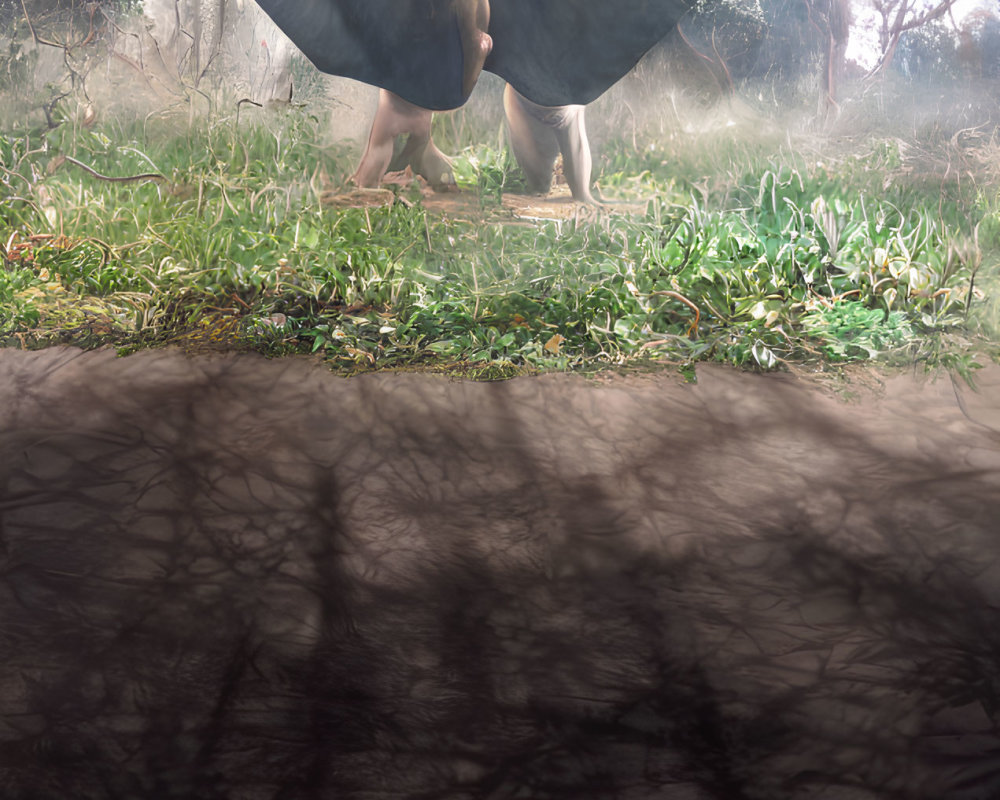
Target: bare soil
{"x": 228, "y": 577}
{"x": 558, "y": 205}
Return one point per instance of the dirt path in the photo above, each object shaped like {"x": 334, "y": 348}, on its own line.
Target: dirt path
{"x": 226, "y": 577}
{"x": 512, "y": 208}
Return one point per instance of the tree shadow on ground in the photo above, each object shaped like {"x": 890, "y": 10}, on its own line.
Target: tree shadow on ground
{"x": 226, "y": 577}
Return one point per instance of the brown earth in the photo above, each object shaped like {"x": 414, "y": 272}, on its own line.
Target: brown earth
{"x": 227, "y": 577}
{"x": 556, "y": 206}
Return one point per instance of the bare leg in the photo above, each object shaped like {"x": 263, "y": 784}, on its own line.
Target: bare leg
{"x": 534, "y": 144}
{"x": 473, "y": 22}
{"x": 423, "y": 157}
{"x": 539, "y": 133}
{"x": 575, "y": 149}
{"x": 396, "y": 117}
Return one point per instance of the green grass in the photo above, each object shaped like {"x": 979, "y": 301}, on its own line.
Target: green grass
{"x": 746, "y": 256}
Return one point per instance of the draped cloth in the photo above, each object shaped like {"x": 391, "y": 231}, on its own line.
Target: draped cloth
{"x": 554, "y": 52}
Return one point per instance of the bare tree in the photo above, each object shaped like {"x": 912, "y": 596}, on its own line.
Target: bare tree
{"x": 896, "y": 17}
{"x": 832, "y": 19}
{"x": 186, "y": 41}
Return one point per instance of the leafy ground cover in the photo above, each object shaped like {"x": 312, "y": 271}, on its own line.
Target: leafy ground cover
{"x": 224, "y": 236}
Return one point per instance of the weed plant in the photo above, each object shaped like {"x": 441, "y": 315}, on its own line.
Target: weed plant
{"x": 764, "y": 258}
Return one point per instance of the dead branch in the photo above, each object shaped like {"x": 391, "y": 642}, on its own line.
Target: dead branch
{"x": 145, "y": 176}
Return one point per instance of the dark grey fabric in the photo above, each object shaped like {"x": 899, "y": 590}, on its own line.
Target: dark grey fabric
{"x": 410, "y": 47}
{"x": 235, "y": 578}
{"x": 560, "y": 52}
{"x": 555, "y": 52}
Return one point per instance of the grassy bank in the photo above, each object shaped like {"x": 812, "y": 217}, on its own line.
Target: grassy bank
{"x": 708, "y": 249}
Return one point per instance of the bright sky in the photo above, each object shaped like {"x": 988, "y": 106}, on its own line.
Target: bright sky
{"x": 863, "y": 46}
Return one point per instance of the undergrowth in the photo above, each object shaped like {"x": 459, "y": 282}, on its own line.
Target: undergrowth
{"x": 768, "y": 259}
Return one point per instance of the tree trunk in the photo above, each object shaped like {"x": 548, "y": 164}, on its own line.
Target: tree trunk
{"x": 838, "y": 30}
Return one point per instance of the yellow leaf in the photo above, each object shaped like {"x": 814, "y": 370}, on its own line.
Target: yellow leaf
{"x": 555, "y": 343}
